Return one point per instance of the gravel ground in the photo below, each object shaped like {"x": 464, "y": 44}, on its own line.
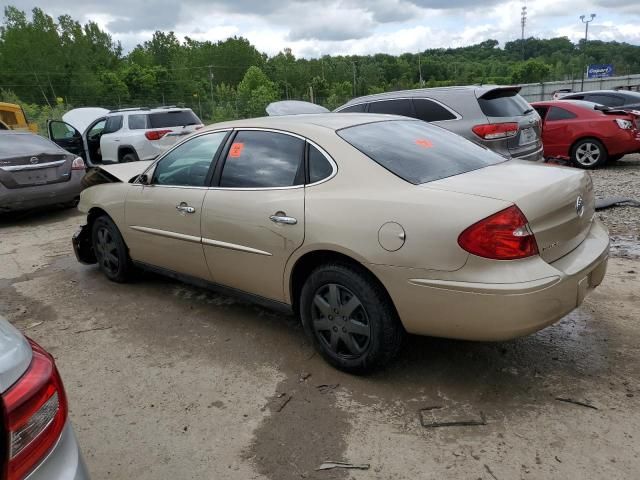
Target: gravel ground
{"x": 622, "y": 179}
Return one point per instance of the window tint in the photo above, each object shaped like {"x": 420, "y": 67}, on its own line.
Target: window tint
{"x": 354, "y": 108}
{"x": 97, "y": 129}
{"x": 113, "y": 124}
{"x": 608, "y": 100}
{"x": 173, "y": 118}
{"x": 394, "y": 107}
{"x": 430, "y": 111}
{"x": 503, "y": 103}
{"x": 262, "y": 160}
{"x": 188, "y": 164}
{"x": 319, "y": 166}
{"x": 21, "y": 144}
{"x": 62, "y": 131}
{"x": 557, "y": 113}
{"x": 416, "y": 151}
{"x": 137, "y": 122}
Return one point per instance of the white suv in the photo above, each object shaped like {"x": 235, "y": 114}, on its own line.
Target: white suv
{"x": 125, "y": 135}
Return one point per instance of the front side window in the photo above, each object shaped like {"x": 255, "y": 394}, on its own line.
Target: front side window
{"x": 258, "y": 159}
{"x": 416, "y": 151}
{"x": 394, "y": 107}
{"x": 189, "y": 163}
{"x": 113, "y": 124}
{"x": 319, "y": 166}
{"x": 557, "y": 113}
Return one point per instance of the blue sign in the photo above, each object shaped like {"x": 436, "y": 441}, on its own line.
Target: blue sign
{"x": 600, "y": 71}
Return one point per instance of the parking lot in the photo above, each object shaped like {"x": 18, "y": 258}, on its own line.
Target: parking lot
{"x": 170, "y": 381}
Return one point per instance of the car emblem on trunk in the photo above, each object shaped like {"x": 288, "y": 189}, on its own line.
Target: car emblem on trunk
{"x": 579, "y": 206}
{"x": 33, "y": 160}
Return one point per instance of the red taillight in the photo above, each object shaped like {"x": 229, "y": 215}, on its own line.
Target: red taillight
{"x": 78, "y": 164}
{"x": 35, "y": 412}
{"x": 156, "y": 134}
{"x": 502, "y": 236}
{"x": 494, "y": 131}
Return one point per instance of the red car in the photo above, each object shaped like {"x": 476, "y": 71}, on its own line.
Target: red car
{"x": 587, "y": 133}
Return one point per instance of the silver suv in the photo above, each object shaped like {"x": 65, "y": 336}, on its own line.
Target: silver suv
{"x": 493, "y": 116}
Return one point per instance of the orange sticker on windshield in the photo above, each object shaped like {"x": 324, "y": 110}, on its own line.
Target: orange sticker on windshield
{"x": 236, "y": 150}
{"x": 424, "y": 143}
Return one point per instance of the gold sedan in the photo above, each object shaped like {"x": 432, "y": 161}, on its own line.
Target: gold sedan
{"x": 366, "y": 226}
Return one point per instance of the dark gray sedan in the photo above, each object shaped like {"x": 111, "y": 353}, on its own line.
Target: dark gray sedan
{"x": 35, "y": 172}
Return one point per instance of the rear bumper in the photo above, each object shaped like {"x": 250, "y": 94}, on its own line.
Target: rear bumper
{"x": 537, "y": 156}
{"x": 626, "y": 142}
{"x": 64, "y": 462}
{"x": 14, "y": 199}
{"x": 498, "y": 311}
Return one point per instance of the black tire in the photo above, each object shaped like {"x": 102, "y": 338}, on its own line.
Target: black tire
{"x": 589, "y": 153}
{"x": 363, "y": 333}
{"x": 129, "y": 157}
{"x": 615, "y": 158}
{"x": 110, "y": 250}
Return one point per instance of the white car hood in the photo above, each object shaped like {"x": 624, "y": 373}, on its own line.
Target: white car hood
{"x": 81, "y": 118}
{"x": 15, "y": 355}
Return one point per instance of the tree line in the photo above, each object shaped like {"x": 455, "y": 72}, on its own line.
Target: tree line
{"x": 50, "y": 64}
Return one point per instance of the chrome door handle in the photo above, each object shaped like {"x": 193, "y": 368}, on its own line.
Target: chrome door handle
{"x": 281, "y": 217}
{"x": 184, "y": 208}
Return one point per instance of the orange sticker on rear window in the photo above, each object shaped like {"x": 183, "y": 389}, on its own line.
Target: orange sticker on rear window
{"x": 236, "y": 150}
{"x": 424, "y": 143}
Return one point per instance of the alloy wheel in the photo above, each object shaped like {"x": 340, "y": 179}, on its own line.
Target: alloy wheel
{"x": 107, "y": 251}
{"x": 588, "y": 154}
{"x": 340, "y": 321}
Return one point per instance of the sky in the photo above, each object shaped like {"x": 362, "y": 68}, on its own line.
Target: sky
{"x": 312, "y": 28}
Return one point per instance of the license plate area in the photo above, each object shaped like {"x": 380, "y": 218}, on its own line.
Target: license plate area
{"x": 527, "y": 136}
{"x": 36, "y": 177}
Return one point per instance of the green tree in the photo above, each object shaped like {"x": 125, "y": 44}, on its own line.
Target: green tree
{"x": 255, "y": 92}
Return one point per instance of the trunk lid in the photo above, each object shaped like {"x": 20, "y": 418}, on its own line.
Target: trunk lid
{"x": 547, "y": 195}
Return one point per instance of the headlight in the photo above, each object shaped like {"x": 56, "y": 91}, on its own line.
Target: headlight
{"x": 624, "y": 124}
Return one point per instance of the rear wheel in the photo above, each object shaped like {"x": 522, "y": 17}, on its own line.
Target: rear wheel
{"x": 589, "y": 153}
{"x": 129, "y": 157}
{"x": 349, "y": 318}
{"x": 110, "y": 249}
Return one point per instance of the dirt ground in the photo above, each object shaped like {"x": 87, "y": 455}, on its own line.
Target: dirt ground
{"x": 166, "y": 381}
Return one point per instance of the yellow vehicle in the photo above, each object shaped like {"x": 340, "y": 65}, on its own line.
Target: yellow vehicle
{"x": 13, "y": 116}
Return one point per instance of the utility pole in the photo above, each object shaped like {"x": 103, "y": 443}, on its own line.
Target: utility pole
{"x": 523, "y": 23}
{"x": 213, "y": 110}
{"x": 420, "y": 72}
{"x": 354, "y": 78}
{"x": 584, "y": 47}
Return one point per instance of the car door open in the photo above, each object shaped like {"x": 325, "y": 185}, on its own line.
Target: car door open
{"x": 67, "y": 137}
{"x": 163, "y": 216}
{"x": 253, "y": 216}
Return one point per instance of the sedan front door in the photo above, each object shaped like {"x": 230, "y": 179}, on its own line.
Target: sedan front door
{"x": 253, "y": 217}
{"x": 163, "y": 217}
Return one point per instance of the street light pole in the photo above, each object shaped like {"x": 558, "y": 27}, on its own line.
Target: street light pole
{"x": 584, "y": 47}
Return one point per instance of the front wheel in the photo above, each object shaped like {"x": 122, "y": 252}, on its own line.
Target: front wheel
{"x": 110, "y": 249}
{"x": 589, "y": 153}
{"x": 349, "y": 318}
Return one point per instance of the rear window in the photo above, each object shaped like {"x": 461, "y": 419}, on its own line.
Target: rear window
{"x": 416, "y": 151}
{"x": 503, "y": 103}
{"x": 176, "y": 118}
{"x": 20, "y": 145}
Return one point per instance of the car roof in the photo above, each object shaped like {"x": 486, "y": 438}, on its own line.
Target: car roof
{"x": 143, "y": 110}
{"x": 612, "y": 92}
{"x": 477, "y": 90}
{"x": 330, "y": 121}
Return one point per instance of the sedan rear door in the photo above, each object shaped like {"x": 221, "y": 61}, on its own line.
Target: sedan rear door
{"x": 28, "y": 160}
{"x": 253, "y": 218}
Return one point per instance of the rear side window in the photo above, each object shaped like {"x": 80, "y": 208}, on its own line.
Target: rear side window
{"x": 393, "y": 107}
{"x": 319, "y": 166}
{"x": 503, "y": 103}
{"x": 557, "y": 113}
{"x": 354, "y": 108}
{"x": 259, "y": 159}
{"x": 113, "y": 124}
{"x": 137, "y": 122}
{"x": 174, "y": 118}
{"x": 430, "y": 111}
{"x": 416, "y": 151}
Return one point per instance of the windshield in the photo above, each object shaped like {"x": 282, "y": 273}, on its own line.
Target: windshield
{"x": 416, "y": 151}
{"x": 175, "y": 118}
